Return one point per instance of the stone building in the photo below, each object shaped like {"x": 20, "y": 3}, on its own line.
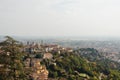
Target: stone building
{"x": 38, "y": 72}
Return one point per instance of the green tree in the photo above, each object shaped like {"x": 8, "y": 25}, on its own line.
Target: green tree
{"x": 11, "y": 62}
{"x": 39, "y": 55}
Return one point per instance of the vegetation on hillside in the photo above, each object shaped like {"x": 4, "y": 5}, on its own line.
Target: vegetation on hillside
{"x": 86, "y": 63}
{"x": 71, "y": 66}
{"x": 11, "y": 63}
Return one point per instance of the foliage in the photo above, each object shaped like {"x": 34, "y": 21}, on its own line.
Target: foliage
{"x": 85, "y": 63}
{"x": 76, "y": 67}
{"x": 39, "y": 55}
{"x": 12, "y": 67}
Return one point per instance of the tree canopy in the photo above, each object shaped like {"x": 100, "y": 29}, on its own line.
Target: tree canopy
{"x": 11, "y": 62}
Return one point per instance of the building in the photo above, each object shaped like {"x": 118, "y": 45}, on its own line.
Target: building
{"x": 38, "y": 72}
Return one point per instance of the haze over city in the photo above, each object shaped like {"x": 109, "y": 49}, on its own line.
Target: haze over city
{"x": 60, "y": 18}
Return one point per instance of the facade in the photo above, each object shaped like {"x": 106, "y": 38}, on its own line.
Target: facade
{"x": 38, "y": 72}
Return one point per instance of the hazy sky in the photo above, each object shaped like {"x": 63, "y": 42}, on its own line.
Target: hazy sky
{"x": 60, "y": 17}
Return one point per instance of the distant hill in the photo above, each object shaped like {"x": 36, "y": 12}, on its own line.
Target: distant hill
{"x": 93, "y": 55}
{"x": 74, "y": 66}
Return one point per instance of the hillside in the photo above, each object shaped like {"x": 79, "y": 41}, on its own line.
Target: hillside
{"x": 71, "y": 66}
{"x": 53, "y": 62}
